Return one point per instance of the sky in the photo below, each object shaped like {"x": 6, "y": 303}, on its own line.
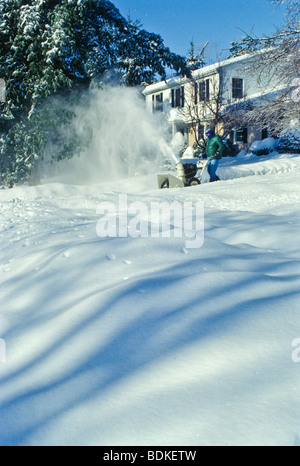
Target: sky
{"x": 179, "y": 22}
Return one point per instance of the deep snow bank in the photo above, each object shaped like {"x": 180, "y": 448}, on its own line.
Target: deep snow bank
{"x": 123, "y": 341}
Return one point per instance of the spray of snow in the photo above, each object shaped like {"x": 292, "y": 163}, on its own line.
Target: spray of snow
{"x": 124, "y": 138}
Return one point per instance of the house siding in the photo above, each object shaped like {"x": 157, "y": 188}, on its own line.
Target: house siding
{"x": 233, "y": 78}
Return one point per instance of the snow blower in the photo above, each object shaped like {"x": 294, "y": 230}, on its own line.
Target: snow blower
{"x": 189, "y": 173}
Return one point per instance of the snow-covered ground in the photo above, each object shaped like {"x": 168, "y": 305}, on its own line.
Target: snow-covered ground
{"x": 142, "y": 341}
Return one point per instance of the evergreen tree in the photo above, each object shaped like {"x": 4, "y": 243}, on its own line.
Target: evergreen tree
{"x": 195, "y": 60}
{"x": 143, "y": 56}
{"x": 49, "y": 47}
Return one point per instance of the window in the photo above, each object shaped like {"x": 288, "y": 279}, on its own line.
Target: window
{"x": 204, "y": 91}
{"x": 237, "y": 88}
{"x": 241, "y": 135}
{"x": 178, "y": 97}
{"x": 157, "y": 103}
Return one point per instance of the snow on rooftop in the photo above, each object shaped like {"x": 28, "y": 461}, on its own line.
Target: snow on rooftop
{"x": 206, "y": 70}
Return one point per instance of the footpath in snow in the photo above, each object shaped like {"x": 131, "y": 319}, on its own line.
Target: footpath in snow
{"x": 142, "y": 341}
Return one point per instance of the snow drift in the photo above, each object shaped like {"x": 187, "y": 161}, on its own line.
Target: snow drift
{"x": 122, "y": 341}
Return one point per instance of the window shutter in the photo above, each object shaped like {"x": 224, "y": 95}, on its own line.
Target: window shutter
{"x": 177, "y": 99}
{"x": 196, "y": 93}
{"x": 182, "y": 96}
{"x": 202, "y": 91}
{"x": 173, "y": 98}
{"x": 207, "y": 89}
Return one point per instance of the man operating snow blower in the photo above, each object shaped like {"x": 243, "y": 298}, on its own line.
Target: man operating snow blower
{"x": 190, "y": 171}
{"x": 214, "y": 151}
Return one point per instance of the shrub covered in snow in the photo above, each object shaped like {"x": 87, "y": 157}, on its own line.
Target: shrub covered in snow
{"x": 264, "y": 147}
{"x": 188, "y": 153}
{"x": 289, "y": 140}
{"x": 229, "y": 150}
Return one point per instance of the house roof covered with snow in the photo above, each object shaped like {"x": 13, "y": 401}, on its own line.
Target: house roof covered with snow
{"x": 205, "y": 71}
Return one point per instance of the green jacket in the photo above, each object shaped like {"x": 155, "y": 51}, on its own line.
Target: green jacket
{"x": 214, "y": 148}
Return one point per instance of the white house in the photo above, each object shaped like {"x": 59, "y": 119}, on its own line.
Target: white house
{"x": 213, "y": 92}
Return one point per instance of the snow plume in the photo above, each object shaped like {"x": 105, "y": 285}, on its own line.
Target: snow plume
{"x": 121, "y": 138}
